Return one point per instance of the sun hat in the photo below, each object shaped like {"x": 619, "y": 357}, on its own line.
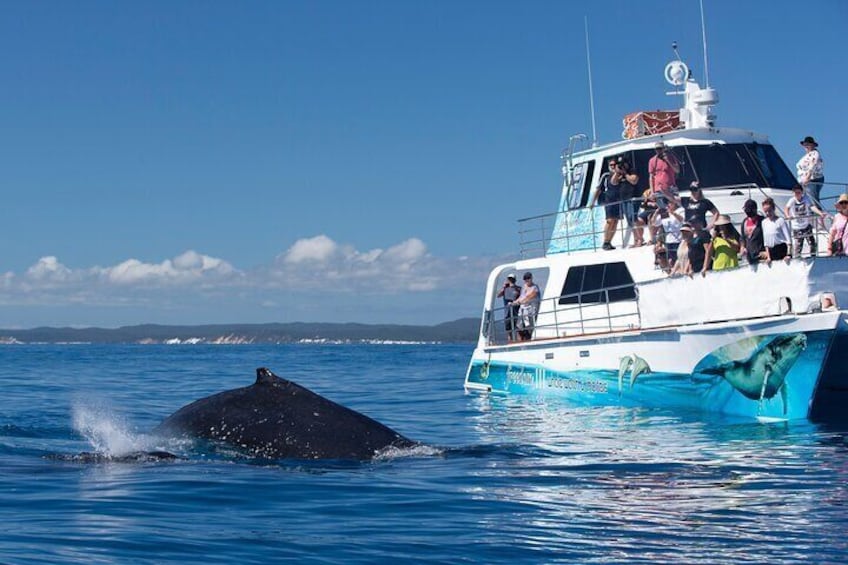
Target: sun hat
{"x": 686, "y": 227}
{"x": 842, "y": 198}
{"x": 809, "y": 141}
{"x": 722, "y": 220}
{"x": 511, "y": 276}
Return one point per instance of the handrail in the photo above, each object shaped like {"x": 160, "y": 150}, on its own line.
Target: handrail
{"x": 496, "y": 317}
{"x": 544, "y": 224}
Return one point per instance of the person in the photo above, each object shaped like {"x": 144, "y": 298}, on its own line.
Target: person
{"x": 510, "y": 293}
{"x": 647, "y": 209}
{"x": 700, "y": 251}
{"x": 810, "y": 170}
{"x": 775, "y": 234}
{"x": 696, "y": 207}
{"x": 668, "y": 223}
{"x": 663, "y": 169}
{"x": 682, "y": 266}
{"x": 629, "y": 206}
{"x": 799, "y": 209}
{"x": 609, "y": 189}
{"x": 725, "y": 248}
{"x": 751, "y": 231}
{"x": 528, "y": 302}
{"x": 837, "y": 238}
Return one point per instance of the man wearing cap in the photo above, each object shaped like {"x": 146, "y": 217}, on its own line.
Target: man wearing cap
{"x": 837, "y": 238}
{"x": 510, "y": 293}
{"x": 663, "y": 169}
{"x": 529, "y": 302}
{"x": 810, "y": 169}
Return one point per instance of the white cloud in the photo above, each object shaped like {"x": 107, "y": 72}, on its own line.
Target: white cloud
{"x": 48, "y": 269}
{"x": 187, "y": 267}
{"x": 318, "y": 248}
{"x": 315, "y": 274}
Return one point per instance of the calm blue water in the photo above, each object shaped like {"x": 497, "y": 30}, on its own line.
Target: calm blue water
{"x": 508, "y": 480}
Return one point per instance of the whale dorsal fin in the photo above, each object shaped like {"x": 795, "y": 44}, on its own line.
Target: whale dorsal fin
{"x": 265, "y": 376}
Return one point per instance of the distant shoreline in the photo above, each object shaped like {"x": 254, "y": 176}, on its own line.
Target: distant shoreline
{"x": 463, "y": 330}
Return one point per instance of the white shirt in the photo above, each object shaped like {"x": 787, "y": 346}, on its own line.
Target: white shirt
{"x": 801, "y": 211}
{"x": 775, "y": 231}
{"x": 810, "y": 166}
{"x": 671, "y": 226}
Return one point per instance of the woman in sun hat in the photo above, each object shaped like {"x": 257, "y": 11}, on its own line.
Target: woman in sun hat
{"x": 810, "y": 169}
{"x": 725, "y": 244}
{"x": 837, "y": 238}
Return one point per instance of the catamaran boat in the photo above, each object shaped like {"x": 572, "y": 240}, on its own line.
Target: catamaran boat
{"x": 765, "y": 341}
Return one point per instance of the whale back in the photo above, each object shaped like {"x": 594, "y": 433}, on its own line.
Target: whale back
{"x": 279, "y": 419}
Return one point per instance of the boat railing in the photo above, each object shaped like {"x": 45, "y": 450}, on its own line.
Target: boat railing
{"x": 537, "y": 233}
{"x": 573, "y": 314}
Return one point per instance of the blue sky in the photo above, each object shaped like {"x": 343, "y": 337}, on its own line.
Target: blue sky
{"x": 212, "y": 162}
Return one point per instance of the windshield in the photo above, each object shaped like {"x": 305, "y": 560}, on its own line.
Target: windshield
{"x": 722, "y": 165}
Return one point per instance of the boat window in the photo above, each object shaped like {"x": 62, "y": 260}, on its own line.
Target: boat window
{"x": 585, "y": 284}
{"x": 587, "y": 182}
{"x": 772, "y": 167}
{"x": 723, "y": 165}
{"x": 576, "y": 181}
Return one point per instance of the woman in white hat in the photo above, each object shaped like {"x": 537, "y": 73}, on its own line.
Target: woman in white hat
{"x": 725, "y": 244}
{"x": 837, "y": 238}
{"x": 810, "y": 169}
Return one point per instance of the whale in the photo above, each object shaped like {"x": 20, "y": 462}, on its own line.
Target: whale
{"x": 762, "y": 374}
{"x": 275, "y": 418}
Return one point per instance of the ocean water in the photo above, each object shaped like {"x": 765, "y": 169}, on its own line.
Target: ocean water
{"x": 502, "y": 480}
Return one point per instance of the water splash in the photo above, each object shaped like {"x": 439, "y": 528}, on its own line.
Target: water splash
{"x": 106, "y": 432}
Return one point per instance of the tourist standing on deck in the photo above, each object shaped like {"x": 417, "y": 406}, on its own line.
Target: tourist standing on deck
{"x": 726, "y": 245}
{"x": 810, "y": 170}
{"x": 775, "y": 234}
{"x": 510, "y": 293}
{"x": 800, "y": 209}
{"x": 837, "y": 238}
{"x": 528, "y": 302}
{"x": 629, "y": 199}
{"x": 696, "y": 207}
{"x": 751, "y": 232}
{"x": 700, "y": 251}
{"x": 663, "y": 169}
{"x": 609, "y": 187}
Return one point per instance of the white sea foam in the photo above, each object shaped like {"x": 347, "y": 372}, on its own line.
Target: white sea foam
{"x": 420, "y": 450}
{"x": 106, "y": 433}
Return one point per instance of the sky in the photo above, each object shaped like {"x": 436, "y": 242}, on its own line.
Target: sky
{"x": 247, "y": 162}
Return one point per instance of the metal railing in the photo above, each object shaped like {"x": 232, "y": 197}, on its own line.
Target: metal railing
{"x": 563, "y": 318}
{"x": 537, "y": 235}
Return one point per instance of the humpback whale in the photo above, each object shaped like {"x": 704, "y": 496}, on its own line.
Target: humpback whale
{"x": 275, "y": 418}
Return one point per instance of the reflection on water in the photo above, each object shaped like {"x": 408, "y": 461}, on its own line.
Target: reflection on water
{"x": 644, "y": 481}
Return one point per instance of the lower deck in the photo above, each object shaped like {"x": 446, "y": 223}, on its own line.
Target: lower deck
{"x": 785, "y": 367}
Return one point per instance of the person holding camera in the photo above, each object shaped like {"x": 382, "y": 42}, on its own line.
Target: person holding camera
{"x": 663, "y": 169}
{"x": 609, "y": 188}
{"x": 630, "y": 199}
{"x": 510, "y": 293}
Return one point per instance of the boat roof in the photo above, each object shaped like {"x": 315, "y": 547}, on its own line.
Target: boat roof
{"x": 698, "y": 136}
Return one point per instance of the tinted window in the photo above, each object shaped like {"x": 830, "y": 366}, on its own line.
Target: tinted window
{"x": 723, "y": 165}
{"x": 584, "y": 283}
{"x": 772, "y": 167}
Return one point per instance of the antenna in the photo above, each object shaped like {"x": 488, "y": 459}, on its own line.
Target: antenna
{"x": 704, "y": 37}
{"x": 591, "y": 95}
